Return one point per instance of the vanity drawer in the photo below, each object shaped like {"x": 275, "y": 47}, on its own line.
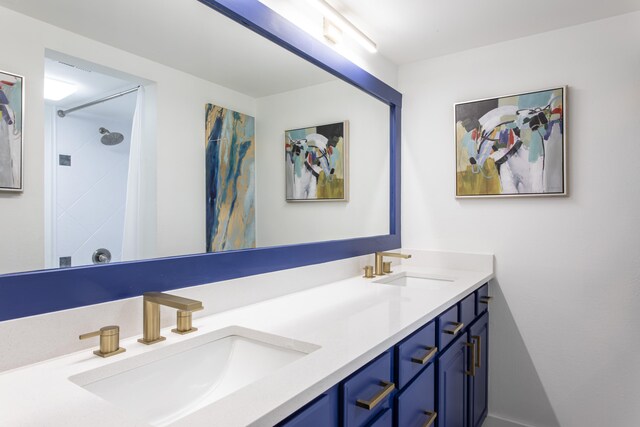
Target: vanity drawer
{"x": 416, "y": 406}
{"x": 368, "y": 392}
{"x": 449, "y": 327}
{"x": 415, "y": 352}
{"x": 468, "y": 309}
{"x": 322, "y": 412}
{"x": 483, "y": 298}
{"x": 384, "y": 420}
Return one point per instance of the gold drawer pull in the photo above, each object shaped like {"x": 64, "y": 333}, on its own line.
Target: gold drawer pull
{"x": 485, "y": 300}
{"x": 458, "y": 328}
{"x": 472, "y": 371}
{"x": 370, "y": 404}
{"x": 432, "y": 418}
{"x": 431, "y": 351}
{"x": 479, "y": 352}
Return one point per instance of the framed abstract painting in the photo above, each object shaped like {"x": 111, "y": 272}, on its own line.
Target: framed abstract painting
{"x": 512, "y": 145}
{"x": 230, "y": 179}
{"x": 11, "y": 118}
{"x": 316, "y": 163}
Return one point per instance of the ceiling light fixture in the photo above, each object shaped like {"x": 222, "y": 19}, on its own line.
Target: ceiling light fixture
{"x": 55, "y": 90}
{"x": 331, "y": 31}
{"x": 338, "y": 20}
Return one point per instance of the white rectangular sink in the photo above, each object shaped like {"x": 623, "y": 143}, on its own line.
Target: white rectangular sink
{"x": 163, "y": 386}
{"x": 417, "y": 280}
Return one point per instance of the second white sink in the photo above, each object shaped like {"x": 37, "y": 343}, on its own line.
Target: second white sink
{"x": 418, "y": 280}
{"x": 173, "y": 385}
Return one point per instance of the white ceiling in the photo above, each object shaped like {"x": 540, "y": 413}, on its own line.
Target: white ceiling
{"x": 185, "y": 35}
{"x": 411, "y": 30}
{"x": 91, "y": 85}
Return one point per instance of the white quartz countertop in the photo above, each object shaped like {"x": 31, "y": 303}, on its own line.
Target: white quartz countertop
{"x": 352, "y": 321}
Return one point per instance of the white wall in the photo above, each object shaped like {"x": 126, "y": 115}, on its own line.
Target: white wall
{"x": 180, "y": 99}
{"x": 564, "y": 326}
{"x": 367, "y": 211}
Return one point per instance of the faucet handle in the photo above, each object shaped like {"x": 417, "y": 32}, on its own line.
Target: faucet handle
{"x": 386, "y": 267}
{"x": 109, "y": 340}
{"x": 183, "y": 323}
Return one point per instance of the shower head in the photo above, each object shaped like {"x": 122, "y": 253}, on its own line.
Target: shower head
{"x": 110, "y": 138}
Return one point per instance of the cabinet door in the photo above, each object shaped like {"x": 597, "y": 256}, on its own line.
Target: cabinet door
{"x": 415, "y": 406}
{"x": 414, "y": 353}
{"x": 452, "y": 384}
{"x": 384, "y": 420}
{"x": 478, "y": 384}
{"x": 368, "y": 392}
{"x": 322, "y": 412}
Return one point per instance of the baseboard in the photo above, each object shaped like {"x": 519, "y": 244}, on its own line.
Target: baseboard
{"x": 495, "y": 421}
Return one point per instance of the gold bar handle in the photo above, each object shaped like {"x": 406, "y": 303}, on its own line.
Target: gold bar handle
{"x": 388, "y": 387}
{"x": 431, "y": 351}
{"x": 89, "y": 335}
{"x": 458, "y": 328}
{"x": 472, "y": 371}
{"x": 479, "y": 352}
{"x": 485, "y": 300}
{"x": 432, "y": 418}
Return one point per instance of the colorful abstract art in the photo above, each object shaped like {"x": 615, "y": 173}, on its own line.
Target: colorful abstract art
{"x": 511, "y": 145}
{"x": 230, "y": 179}
{"x": 316, "y": 163}
{"x": 11, "y": 111}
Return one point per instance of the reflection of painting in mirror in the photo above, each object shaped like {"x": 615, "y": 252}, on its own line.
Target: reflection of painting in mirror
{"x": 10, "y": 131}
{"x": 511, "y": 145}
{"x": 230, "y": 182}
{"x": 315, "y": 162}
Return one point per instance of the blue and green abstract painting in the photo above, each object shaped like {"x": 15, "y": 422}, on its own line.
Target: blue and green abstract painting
{"x": 230, "y": 179}
{"x": 511, "y": 145}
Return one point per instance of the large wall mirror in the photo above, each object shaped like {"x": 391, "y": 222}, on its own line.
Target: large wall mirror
{"x": 162, "y": 150}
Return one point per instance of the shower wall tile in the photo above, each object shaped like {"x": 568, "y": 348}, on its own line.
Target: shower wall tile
{"x": 71, "y": 235}
{"x": 103, "y": 238}
{"x": 106, "y": 197}
{"x": 91, "y": 193}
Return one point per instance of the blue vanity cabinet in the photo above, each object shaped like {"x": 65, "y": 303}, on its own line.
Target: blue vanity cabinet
{"x": 478, "y": 384}
{"x": 436, "y": 377}
{"x": 321, "y": 412}
{"x": 463, "y": 366}
{"x": 468, "y": 310}
{"x": 482, "y": 299}
{"x": 453, "y": 384}
{"x": 367, "y": 393}
{"x": 449, "y": 327}
{"x": 385, "y": 419}
{"x": 414, "y": 353}
{"x": 416, "y": 404}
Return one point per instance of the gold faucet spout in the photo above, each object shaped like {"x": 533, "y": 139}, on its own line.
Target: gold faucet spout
{"x": 173, "y": 301}
{"x": 394, "y": 255}
{"x": 379, "y": 271}
{"x": 151, "y": 315}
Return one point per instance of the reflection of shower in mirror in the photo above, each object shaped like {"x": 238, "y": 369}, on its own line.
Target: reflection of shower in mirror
{"x": 92, "y": 129}
{"x": 110, "y": 138}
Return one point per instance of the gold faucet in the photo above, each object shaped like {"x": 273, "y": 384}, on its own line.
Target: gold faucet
{"x": 151, "y": 315}
{"x": 109, "y": 340}
{"x": 380, "y": 257}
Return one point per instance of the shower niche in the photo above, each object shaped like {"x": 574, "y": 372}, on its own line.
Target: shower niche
{"x": 93, "y": 138}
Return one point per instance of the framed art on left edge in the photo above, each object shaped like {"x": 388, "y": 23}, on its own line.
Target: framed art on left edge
{"x": 512, "y": 145}
{"x": 11, "y": 125}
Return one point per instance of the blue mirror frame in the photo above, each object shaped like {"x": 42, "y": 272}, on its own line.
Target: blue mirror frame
{"x": 43, "y": 291}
